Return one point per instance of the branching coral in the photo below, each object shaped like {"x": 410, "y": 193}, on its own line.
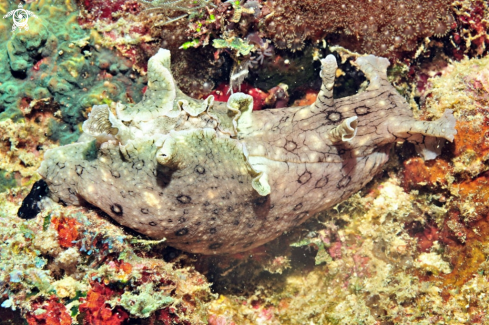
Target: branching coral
{"x": 374, "y": 26}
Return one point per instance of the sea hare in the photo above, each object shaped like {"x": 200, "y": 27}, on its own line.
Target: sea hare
{"x": 214, "y": 177}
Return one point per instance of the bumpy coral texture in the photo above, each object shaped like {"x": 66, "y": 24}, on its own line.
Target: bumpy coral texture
{"x": 214, "y": 177}
{"x": 377, "y": 26}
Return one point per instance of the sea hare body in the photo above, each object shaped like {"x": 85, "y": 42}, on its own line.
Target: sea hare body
{"x": 214, "y": 177}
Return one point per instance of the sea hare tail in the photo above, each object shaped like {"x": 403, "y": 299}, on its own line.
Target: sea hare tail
{"x": 444, "y": 127}
{"x": 428, "y": 135}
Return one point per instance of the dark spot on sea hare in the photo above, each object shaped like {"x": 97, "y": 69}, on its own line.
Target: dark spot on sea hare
{"x": 181, "y": 232}
{"x": 116, "y": 209}
{"x": 215, "y": 246}
{"x": 184, "y": 199}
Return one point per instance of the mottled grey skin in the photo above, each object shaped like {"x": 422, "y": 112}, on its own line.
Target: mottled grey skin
{"x": 217, "y": 178}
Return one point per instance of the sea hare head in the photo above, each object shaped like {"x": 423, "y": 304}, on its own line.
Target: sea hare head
{"x": 214, "y": 177}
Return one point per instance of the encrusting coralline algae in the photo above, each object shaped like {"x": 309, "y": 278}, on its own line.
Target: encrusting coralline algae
{"x": 216, "y": 178}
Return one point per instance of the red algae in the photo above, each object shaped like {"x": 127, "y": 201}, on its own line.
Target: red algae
{"x": 276, "y": 97}
{"x": 419, "y": 173}
{"x": 309, "y": 99}
{"x": 223, "y": 92}
{"x": 50, "y": 312}
{"x": 67, "y": 229}
{"x": 96, "y": 309}
{"x": 473, "y": 137}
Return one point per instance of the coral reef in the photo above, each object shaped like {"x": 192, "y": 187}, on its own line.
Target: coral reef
{"x": 136, "y": 30}
{"x": 370, "y": 268}
{"x": 70, "y": 265}
{"x": 379, "y": 27}
{"x": 409, "y": 248}
{"x": 51, "y": 77}
{"x": 471, "y": 35}
{"x": 84, "y": 74}
{"x": 250, "y": 33}
{"x": 118, "y": 26}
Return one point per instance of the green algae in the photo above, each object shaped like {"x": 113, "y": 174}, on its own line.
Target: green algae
{"x": 7, "y": 181}
{"x": 46, "y": 222}
{"x": 62, "y": 132}
{"x": 146, "y": 302}
{"x": 238, "y": 44}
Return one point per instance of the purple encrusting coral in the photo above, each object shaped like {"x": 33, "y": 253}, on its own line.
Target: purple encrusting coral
{"x": 410, "y": 247}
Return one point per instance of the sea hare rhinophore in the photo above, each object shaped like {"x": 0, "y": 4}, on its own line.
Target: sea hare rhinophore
{"x": 216, "y": 177}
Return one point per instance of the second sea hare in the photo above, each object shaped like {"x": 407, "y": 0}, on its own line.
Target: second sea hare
{"x": 214, "y": 177}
